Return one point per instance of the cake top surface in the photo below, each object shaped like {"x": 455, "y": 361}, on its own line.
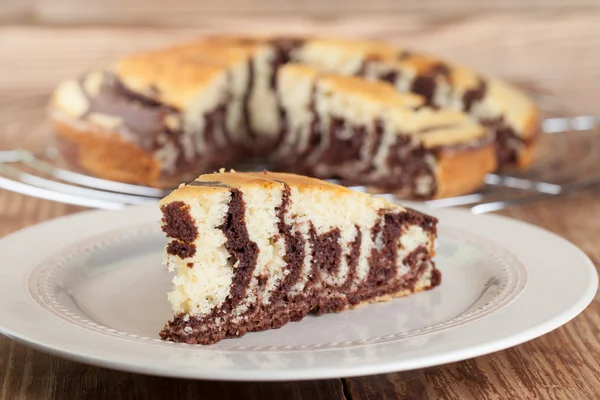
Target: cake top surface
{"x": 226, "y": 181}
{"x": 358, "y": 47}
{"x": 372, "y": 91}
{"x": 214, "y": 52}
{"x": 176, "y": 74}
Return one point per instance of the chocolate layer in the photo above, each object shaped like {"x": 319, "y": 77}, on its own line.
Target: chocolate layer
{"x": 181, "y": 249}
{"x": 178, "y": 223}
{"x": 327, "y": 250}
{"x": 425, "y": 86}
{"x": 246, "y": 100}
{"x": 209, "y": 184}
{"x": 508, "y": 144}
{"x": 383, "y": 257}
{"x": 240, "y": 247}
{"x": 142, "y": 115}
{"x": 294, "y": 247}
{"x": 475, "y": 95}
{"x": 345, "y": 143}
{"x": 390, "y": 77}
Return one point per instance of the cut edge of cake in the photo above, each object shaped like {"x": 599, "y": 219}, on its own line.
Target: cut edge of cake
{"x": 253, "y": 251}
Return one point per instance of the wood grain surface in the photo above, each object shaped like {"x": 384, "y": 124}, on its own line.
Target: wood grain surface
{"x": 561, "y": 55}
{"x": 181, "y": 12}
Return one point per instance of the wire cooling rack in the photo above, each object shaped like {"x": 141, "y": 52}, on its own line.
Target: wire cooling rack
{"x": 568, "y": 160}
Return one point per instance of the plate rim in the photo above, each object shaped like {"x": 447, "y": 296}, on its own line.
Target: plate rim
{"x": 147, "y": 212}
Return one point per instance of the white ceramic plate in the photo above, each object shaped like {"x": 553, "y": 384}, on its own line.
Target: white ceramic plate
{"x": 91, "y": 287}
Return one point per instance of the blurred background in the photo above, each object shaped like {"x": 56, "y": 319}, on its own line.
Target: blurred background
{"x": 553, "y": 45}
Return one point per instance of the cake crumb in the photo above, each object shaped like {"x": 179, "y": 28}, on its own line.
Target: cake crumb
{"x": 188, "y": 329}
{"x": 186, "y": 317}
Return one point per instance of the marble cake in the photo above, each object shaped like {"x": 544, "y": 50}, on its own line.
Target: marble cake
{"x": 161, "y": 117}
{"x": 253, "y": 251}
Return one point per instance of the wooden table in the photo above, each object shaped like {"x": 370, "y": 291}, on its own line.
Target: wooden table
{"x": 561, "y": 55}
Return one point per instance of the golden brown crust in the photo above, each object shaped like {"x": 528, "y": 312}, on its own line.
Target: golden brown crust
{"x": 208, "y": 184}
{"x": 463, "y": 172}
{"x": 526, "y": 155}
{"x": 532, "y": 126}
{"x": 372, "y": 91}
{"x": 265, "y": 180}
{"x": 107, "y": 155}
{"x": 176, "y": 81}
{"x": 369, "y": 49}
{"x": 418, "y": 63}
{"x": 202, "y": 53}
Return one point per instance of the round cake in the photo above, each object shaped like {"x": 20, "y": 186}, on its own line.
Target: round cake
{"x": 363, "y": 112}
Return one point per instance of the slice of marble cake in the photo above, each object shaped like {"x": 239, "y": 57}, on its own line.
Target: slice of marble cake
{"x": 253, "y": 251}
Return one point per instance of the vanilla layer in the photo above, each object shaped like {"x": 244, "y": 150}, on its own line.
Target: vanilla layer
{"x": 264, "y": 116}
